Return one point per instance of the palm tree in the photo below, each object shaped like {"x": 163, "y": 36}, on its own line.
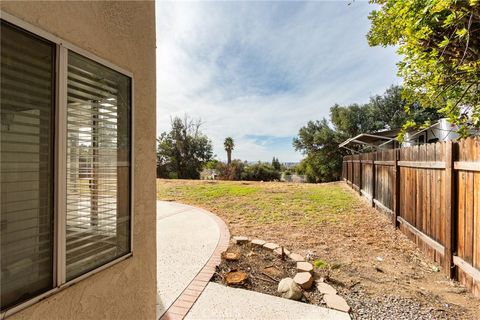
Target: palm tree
{"x": 228, "y": 144}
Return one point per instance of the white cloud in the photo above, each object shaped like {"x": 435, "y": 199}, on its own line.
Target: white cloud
{"x": 264, "y": 68}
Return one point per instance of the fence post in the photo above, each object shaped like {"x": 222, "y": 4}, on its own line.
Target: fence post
{"x": 449, "y": 210}
{"x": 396, "y": 187}
{"x": 360, "y": 157}
{"x": 374, "y": 179}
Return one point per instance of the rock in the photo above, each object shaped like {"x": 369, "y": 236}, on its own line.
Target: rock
{"x": 379, "y": 269}
{"x": 321, "y": 279}
{"x": 310, "y": 255}
{"x": 278, "y": 251}
{"x": 296, "y": 257}
{"x": 336, "y": 302}
{"x": 289, "y": 289}
{"x": 258, "y": 242}
{"x": 325, "y": 288}
{"x": 270, "y": 246}
{"x": 240, "y": 239}
{"x": 304, "y": 280}
{"x": 303, "y": 266}
{"x": 273, "y": 271}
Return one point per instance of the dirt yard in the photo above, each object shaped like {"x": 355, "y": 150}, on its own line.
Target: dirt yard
{"x": 380, "y": 273}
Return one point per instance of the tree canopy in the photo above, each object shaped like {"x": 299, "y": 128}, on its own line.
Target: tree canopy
{"x": 276, "y": 164}
{"x": 439, "y": 41}
{"x": 323, "y": 158}
{"x": 319, "y": 140}
{"x": 183, "y": 151}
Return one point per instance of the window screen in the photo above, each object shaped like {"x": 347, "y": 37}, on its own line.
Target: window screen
{"x": 98, "y": 167}
{"x": 26, "y": 165}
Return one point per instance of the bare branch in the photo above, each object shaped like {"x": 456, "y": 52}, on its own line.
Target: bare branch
{"x": 468, "y": 38}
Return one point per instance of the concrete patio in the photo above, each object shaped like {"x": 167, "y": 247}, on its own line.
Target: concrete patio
{"x": 189, "y": 243}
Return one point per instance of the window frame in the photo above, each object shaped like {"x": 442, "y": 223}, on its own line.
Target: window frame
{"x": 60, "y": 159}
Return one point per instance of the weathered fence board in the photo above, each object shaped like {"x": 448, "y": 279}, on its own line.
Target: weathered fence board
{"x": 468, "y": 213}
{"x": 432, "y": 192}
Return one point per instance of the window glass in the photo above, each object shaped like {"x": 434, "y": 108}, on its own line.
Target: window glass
{"x": 98, "y": 167}
{"x": 26, "y": 165}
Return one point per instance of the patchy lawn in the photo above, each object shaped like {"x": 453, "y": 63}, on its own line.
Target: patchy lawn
{"x": 376, "y": 268}
{"x": 263, "y": 203}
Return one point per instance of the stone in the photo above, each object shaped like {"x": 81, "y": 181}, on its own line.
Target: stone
{"x": 336, "y": 302}
{"x": 324, "y": 288}
{"x": 289, "y": 289}
{"x": 240, "y": 239}
{"x": 273, "y": 271}
{"x": 258, "y": 242}
{"x": 303, "y": 266}
{"x": 321, "y": 279}
{"x": 296, "y": 257}
{"x": 304, "y": 280}
{"x": 270, "y": 246}
{"x": 278, "y": 251}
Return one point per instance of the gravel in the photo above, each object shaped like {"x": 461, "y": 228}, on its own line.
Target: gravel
{"x": 393, "y": 307}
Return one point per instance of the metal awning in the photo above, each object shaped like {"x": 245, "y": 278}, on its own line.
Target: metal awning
{"x": 370, "y": 140}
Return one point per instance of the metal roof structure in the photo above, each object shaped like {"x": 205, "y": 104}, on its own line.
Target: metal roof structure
{"x": 378, "y": 139}
{"x": 375, "y": 141}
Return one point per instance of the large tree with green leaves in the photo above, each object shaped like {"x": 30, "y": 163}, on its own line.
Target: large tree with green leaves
{"x": 323, "y": 158}
{"x": 319, "y": 140}
{"x": 439, "y": 41}
{"x": 183, "y": 151}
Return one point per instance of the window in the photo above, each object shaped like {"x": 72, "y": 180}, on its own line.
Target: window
{"x": 65, "y": 160}
{"x": 26, "y": 160}
{"x": 98, "y": 153}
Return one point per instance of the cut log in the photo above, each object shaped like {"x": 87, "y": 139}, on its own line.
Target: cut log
{"x": 304, "y": 280}
{"x": 258, "y": 242}
{"x": 270, "y": 246}
{"x": 303, "y": 266}
{"x": 231, "y": 256}
{"x": 240, "y": 239}
{"x": 236, "y": 278}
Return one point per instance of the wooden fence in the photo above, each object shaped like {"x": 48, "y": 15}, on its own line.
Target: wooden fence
{"x": 432, "y": 194}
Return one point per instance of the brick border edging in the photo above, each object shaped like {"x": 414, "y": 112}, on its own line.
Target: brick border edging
{"x": 184, "y": 302}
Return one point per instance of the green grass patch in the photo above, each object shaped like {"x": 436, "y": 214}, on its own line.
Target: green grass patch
{"x": 264, "y": 203}
{"x": 215, "y": 191}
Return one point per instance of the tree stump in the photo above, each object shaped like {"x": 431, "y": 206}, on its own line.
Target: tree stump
{"x": 236, "y": 278}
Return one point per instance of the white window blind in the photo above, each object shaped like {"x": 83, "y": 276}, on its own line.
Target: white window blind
{"x": 98, "y": 155}
{"x": 26, "y": 165}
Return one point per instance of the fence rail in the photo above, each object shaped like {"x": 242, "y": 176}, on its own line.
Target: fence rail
{"x": 432, "y": 194}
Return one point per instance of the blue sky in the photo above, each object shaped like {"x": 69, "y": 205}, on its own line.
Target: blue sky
{"x": 258, "y": 71}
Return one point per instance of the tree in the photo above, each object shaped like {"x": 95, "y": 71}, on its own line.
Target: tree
{"x": 232, "y": 171}
{"x": 183, "y": 151}
{"x": 439, "y": 41}
{"x": 261, "y": 171}
{"x": 228, "y": 144}
{"x": 319, "y": 140}
{"x": 276, "y": 164}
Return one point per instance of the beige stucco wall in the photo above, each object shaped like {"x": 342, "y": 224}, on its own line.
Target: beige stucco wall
{"x": 124, "y": 34}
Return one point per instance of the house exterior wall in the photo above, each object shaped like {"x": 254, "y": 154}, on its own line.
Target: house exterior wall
{"x": 122, "y": 33}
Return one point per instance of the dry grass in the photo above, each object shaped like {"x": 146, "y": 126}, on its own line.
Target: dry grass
{"x": 332, "y": 224}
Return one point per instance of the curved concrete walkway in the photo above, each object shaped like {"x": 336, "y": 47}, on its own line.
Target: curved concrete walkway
{"x": 187, "y": 237}
{"x": 189, "y": 243}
